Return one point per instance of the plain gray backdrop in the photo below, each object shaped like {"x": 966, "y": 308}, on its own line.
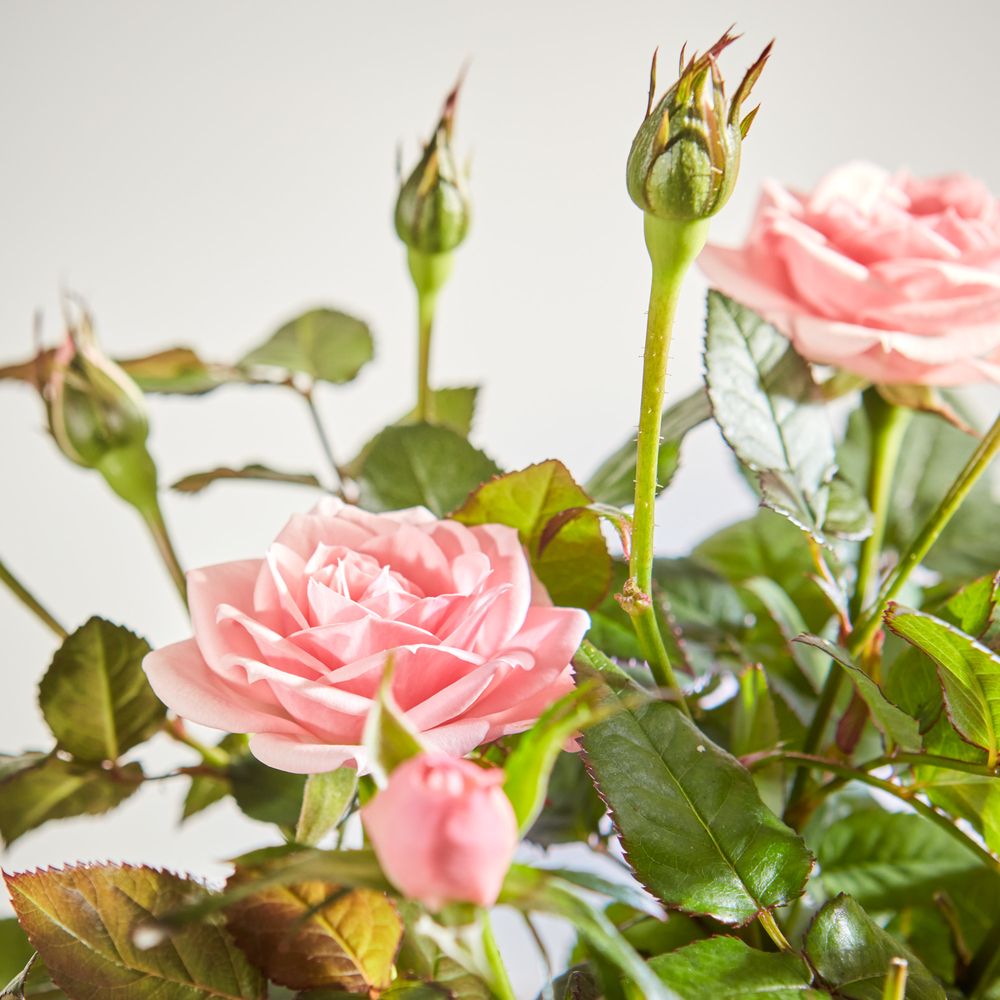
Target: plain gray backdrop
{"x": 201, "y": 171}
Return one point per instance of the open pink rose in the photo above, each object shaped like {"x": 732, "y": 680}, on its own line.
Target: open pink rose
{"x": 443, "y": 830}
{"x": 893, "y": 278}
{"x": 291, "y": 647}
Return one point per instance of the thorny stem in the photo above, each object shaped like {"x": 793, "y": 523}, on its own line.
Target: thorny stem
{"x": 672, "y": 248}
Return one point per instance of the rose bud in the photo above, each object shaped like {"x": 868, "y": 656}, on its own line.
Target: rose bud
{"x": 443, "y": 830}
{"x": 97, "y": 415}
{"x": 686, "y": 155}
{"x": 432, "y": 210}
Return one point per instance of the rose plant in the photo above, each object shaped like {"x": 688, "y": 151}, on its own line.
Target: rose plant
{"x": 782, "y": 749}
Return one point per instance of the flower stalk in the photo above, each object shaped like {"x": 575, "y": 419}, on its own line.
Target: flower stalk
{"x": 21, "y": 592}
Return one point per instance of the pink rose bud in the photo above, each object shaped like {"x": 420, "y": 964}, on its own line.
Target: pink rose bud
{"x": 443, "y": 830}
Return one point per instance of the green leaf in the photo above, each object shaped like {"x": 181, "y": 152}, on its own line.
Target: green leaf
{"x": 95, "y": 696}
{"x": 575, "y": 566}
{"x": 969, "y": 673}
{"x": 574, "y": 984}
{"x": 572, "y": 809}
{"x": 266, "y": 794}
{"x": 325, "y": 800}
{"x": 754, "y": 723}
{"x": 389, "y": 737}
{"x": 614, "y": 481}
{"x": 932, "y": 454}
{"x": 767, "y": 546}
{"x": 530, "y": 764}
{"x": 532, "y": 890}
{"x": 48, "y": 788}
{"x": 975, "y": 609}
{"x": 764, "y": 401}
{"x": 324, "y": 343}
{"x": 852, "y": 954}
{"x": 286, "y": 865}
{"x": 207, "y": 789}
{"x": 14, "y": 949}
{"x": 180, "y": 371}
{"x": 422, "y": 465}
{"x": 692, "y": 823}
{"x": 724, "y": 968}
{"x": 453, "y": 408}
{"x": 887, "y": 861}
{"x": 90, "y": 923}
{"x": 313, "y": 934}
{"x": 198, "y": 481}
{"x": 892, "y": 722}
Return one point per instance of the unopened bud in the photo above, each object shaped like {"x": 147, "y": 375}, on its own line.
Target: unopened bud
{"x": 97, "y": 414}
{"x": 685, "y": 157}
{"x": 432, "y": 210}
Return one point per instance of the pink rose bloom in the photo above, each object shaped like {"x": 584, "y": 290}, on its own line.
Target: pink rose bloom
{"x": 443, "y": 830}
{"x": 893, "y": 278}
{"x": 291, "y": 647}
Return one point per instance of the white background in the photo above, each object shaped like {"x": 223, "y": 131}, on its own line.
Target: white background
{"x": 201, "y": 171}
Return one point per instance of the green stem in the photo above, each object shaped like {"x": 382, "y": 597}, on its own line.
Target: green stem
{"x": 672, "y": 248}
{"x": 21, "y": 592}
{"x": 888, "y": 425}
{"x": 915, "y": 553}
{"x": 153, "y": 516}
{"x": 931, "y": 760}
{"x": 215, "y": 757}
{"x": 802, "y": 760}
{"x": 895, "y": 980}
{"x": 500, "y": 983}
{"x": 324, "y": 440}
{"x": 767, "y": 921}
{"x": 429, "y": 272}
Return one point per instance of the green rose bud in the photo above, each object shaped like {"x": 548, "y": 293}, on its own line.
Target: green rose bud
{"x": 97, "y": 415}
{"x": 432, "y": 210}
{"x": 686, "y": 155}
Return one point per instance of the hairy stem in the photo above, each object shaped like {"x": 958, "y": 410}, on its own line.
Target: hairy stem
{"x": 21, "y": 592}
{"x": 672, "y": 249}
{"x": 429, "y": 272}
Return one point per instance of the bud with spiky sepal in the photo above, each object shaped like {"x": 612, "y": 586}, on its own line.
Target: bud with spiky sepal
{"x": 432, "y": 210}
{"x": 432, "y": 219}
{"x": 686, "y": 155}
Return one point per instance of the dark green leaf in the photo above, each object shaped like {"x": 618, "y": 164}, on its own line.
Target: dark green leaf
{"x": 204, "y": 791}
{"x": 324, "y": 343}
{"x": 95, "y": 696}
{"x": 894, "y": 724}
{"x": 266, "y": 794}
{"x": 969, "y": 674}
{"x": 692, "y": 823}
{"x": 576, "y": 984}
{"x": 198, "y": 481}
{"x": 764, "y": 400}
{"x": 852, "y": 954}
{"x": 53, "y": 788}
{"x": 890, "y": 860}
{"x": 88, "y": 923}
{"x": 724, "y": 968}
{"x": 422, "y": 465}
{"x": 614, "y": 481}
{"x": 574, "y": 566}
